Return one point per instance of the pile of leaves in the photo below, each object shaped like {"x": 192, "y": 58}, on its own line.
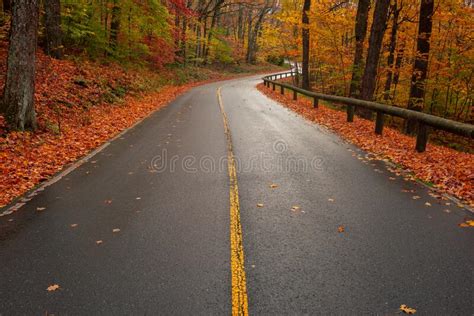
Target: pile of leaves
{"x": 448, "y": 170}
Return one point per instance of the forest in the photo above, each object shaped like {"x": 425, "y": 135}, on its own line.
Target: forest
{"x": 65, "y": 64}
{"x": 415, "y": 54}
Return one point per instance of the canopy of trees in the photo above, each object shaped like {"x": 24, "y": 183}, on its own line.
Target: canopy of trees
{"x": 151, "y": 33}
{"x": 411, "y": 53}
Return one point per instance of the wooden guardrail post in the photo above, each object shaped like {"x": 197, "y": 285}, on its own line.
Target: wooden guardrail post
{"x": 295, "y": 95}
{"x": 421, "y": 137}
{"x": 273, "y": 86}
{"x": 315, "y": 103}
{"x": 379, "y": 120}
{"x": 350, "y": 113}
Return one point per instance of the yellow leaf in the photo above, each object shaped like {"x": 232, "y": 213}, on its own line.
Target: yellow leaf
{"x": 468, "y": 223}
{"x": 52, "y": 288}
{"x": 260, "y": 205}
{"x": 295, "y": 208}
{"x": 407, "y": 310}
{"x": 273, "y": 186}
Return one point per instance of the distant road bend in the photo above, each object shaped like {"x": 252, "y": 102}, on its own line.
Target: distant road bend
{"x": 225, "y": 202}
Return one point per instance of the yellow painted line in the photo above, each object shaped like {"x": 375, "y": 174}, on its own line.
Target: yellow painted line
{"x": 239, "y": 283}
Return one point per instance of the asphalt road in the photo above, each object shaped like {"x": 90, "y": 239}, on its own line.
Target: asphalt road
{"x": 165, "y": 186}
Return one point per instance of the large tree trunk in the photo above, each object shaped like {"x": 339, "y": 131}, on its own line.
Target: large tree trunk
{"x": 305, "y": 34}
{"x": 18, "y": 97}
{"x": 7, "y": 7}
{"x": 377, "y": 31}
{"x": 391, "y": 54}
{"x": 362, "y": 17}
{"x": 420, "y": 69}
{"x": 53, "y": 32}
{"x": 115, "y": 25}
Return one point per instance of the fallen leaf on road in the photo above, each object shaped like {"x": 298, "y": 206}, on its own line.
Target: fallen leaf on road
{"x": 73, "y": 225}
{"x": 416, "y": 197}
{"x": 407, "y": 310}
{"x": 468, "y": 223}
{"x": 108, "y": 201}
{"x": 392, "y": 178}
{"x": 99, "y": 242}
{"x": 447, "y": 211}
{"x": 331, "y": 200}
{"x": 295, "y": 208}
{"x": 273, "y": 186}
{"x": 39, "y": 209}
{"x": 428, "y": 204}
{"x": 115, "y": 230}
{"x": 260, "y": 205}
{"x": 341, "y": 229}
{"x": 138, "y": 198}
{"x": 52, "y": 288}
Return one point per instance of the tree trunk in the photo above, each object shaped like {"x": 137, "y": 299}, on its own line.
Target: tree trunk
{"x": 391, "y": 54}
{"x": 377, "y": 31}
{"x": 362, "y": 17}
{"x": 214, "y": 20}
{"x": 7, "y": 7}
{"x": 240, "y": 23}
{"x": 306, "y": 38}
{"x": 253, "y": 35}
{"x": 420, "y": 69}
{"x": 53, "y": 32}
{"x": 115, "y": 25}
{"x": 18, "y": 97}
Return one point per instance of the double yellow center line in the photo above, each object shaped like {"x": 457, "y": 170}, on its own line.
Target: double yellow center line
{"x": 239, "y": 283}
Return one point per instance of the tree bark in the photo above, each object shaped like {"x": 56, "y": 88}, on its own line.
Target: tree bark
{"x": 377, "y": 31}
{"x": 306, "y": 39}
{"x": 18, "y": 96}
{"x": 391, "y": 54}
{"x": 362, "y": 17}
{"x": 420, "y": 69}
{"x": 7, "y": 7}
{"x": 115, "y": 25}
{"x": 53, "y": 32}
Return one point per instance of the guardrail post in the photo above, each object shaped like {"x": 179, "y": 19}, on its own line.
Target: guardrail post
{"x": 273, "y": 86}
{"x": 282, "y": 90}
{"x": 315, "y": 103}
{"x": 295, "y": 95}
{"x": 350, "y": 113}
{"x": 379, "y": 120}
{"x": 421, "y": 137}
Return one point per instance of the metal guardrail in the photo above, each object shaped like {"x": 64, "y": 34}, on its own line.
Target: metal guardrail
{"x": 424, "y": 120}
